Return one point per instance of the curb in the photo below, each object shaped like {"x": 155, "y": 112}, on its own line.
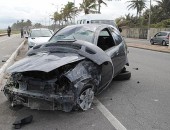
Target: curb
{"x": 9, "y": 62}
{"x": 164, "y": 51}
{"x": 3, "y": 34}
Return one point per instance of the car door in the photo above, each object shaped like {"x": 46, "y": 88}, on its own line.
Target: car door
{"x": 163, "y": 36}
{"x": 157, "y": 38}
{"x": 107, "y": 44}
{"x": 121, "y": 49}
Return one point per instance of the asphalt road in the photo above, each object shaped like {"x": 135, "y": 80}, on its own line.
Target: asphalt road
{"x": 141, "y": 103}
{"x": 8, "y": 45}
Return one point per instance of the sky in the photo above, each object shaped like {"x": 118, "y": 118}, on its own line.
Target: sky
{"x": 41, "y": 11}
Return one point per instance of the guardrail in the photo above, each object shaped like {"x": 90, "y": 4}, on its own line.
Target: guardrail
{"x": 3, "y": 34}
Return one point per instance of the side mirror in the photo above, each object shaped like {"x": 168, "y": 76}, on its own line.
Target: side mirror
{"x": 120, "y": 29}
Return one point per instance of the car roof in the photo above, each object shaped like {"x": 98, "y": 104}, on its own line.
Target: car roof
{"x": 165, "y": 31}
{"x": 40, "y": 29}
{"x": 90, "y": 26}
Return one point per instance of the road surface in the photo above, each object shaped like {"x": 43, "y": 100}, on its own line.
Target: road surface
{"x": 141, "y": 103}
{"x": 8, "y": 45}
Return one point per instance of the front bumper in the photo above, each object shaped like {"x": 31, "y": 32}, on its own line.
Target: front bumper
{"x": 41, "y": 100}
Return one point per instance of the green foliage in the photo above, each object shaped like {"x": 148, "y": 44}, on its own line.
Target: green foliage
{"x": 88, "y": 6}
{"x": 66, "y": 13}
{"x": 162, "y": 24}
{"x": 160, "y": 15}
{"x": 139, "y": 5}
{"x": 21, "y": 24}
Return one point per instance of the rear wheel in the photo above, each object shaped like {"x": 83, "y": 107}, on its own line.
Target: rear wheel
{"x": 125, "y": 75}
{"x": 163, "y": 43}
{"x": 152, "y": 42}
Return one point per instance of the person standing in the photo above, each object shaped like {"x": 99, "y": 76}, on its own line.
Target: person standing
{"x": 9, "y": 31}
{"x": 22, "y": 32}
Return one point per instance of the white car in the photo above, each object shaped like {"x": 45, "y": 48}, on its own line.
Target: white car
{"x": 39, "y": 36}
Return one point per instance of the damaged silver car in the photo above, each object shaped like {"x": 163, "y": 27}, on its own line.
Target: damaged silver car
{"x": 65, "y": 73}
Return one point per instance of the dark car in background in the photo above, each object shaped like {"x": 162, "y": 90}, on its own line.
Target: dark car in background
{"x": 161, "y": 38}
{"x": 65, "y": 73}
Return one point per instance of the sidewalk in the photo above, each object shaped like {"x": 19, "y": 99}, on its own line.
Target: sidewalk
{"x": 158, "y": 48}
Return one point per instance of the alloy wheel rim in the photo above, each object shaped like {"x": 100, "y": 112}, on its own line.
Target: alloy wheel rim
{"x": 86, "y": 99}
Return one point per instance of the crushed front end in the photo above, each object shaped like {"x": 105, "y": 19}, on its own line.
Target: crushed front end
{"x": 41, "y": 90}
{"x": 58, "y": 89}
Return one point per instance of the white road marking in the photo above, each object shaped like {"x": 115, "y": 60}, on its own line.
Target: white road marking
{"x": 9, "y": 38}
{"x": 117, "y": 125}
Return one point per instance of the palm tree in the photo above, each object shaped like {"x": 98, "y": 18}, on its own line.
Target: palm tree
{"x": 57, "y": 18}
{"x": 99, "y": 4}
{"x": 69, "y": 11}
{"x": 139, "y": 5}
{"x": 88, "y": 6}
{"x": 164, "y": 5}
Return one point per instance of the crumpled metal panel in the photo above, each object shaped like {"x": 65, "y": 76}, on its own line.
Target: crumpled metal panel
{"x": 86, "y": 49}
{"x": 44, "y": 62}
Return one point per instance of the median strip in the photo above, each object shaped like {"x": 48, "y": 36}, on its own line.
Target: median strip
{"x": 9, "y": 62}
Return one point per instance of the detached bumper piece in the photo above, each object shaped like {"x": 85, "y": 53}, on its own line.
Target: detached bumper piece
{"x": 17, "y": 124}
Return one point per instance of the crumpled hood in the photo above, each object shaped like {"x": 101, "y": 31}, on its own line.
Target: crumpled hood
{"x": 39, "y": 40}
{"x": 44, "y": 62}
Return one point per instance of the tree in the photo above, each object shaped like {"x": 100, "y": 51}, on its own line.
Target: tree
{"x": 99, "y": 4}
{"x": 139, "y": 5}
{"x": 37, "y": 25}
{"x": 88, "y": 6}
{"x": 164, "y": 5}
{"x": 57, "y": 18}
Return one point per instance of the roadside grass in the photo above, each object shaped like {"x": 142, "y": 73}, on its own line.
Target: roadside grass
{"x": 13, "y": 31}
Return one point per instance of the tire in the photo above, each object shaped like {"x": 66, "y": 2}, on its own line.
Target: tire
{"x": 123, "y": 76}
{"x": 85, "y": 98}
{"x": 152, "y": 42}
{"x": 163, "y": 43}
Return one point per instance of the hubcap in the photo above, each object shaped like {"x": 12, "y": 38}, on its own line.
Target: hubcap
{"x": 86, "y": 99}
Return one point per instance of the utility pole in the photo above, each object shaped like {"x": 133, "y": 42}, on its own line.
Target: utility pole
{"x": 149, "y": 21}
{"x": 74, "y": 12}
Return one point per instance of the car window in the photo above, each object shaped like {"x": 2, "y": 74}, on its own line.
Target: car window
{"x": 158, "y": 34}
{"x": 163, "y": 34}
{"x": 105, "y": 40}
{"x": 41, "y": 33}
{"x": 116, "y": 36}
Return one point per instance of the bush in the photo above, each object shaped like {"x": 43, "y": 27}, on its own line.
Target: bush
{"x": 162, "y": 24}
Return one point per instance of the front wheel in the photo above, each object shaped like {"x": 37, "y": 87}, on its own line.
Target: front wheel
{"x": 163, "y": 43}
{"x": 85, "y": 99}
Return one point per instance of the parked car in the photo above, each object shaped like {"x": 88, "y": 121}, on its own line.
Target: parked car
{"x": 161, "y": 38}
{"x": 65, "y": 73}
{"x": 38, "y": 36}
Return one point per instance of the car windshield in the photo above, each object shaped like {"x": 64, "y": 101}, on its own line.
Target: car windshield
{"x": 72, "y": 33}
{"x": 41, "y": 33}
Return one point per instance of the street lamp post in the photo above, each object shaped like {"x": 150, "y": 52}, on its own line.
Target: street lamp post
{"x": 149, "y": 22}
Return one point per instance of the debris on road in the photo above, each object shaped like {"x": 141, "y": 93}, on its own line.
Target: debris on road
{"x": 17, "y": 124}
{"x": 136, "y": 68}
